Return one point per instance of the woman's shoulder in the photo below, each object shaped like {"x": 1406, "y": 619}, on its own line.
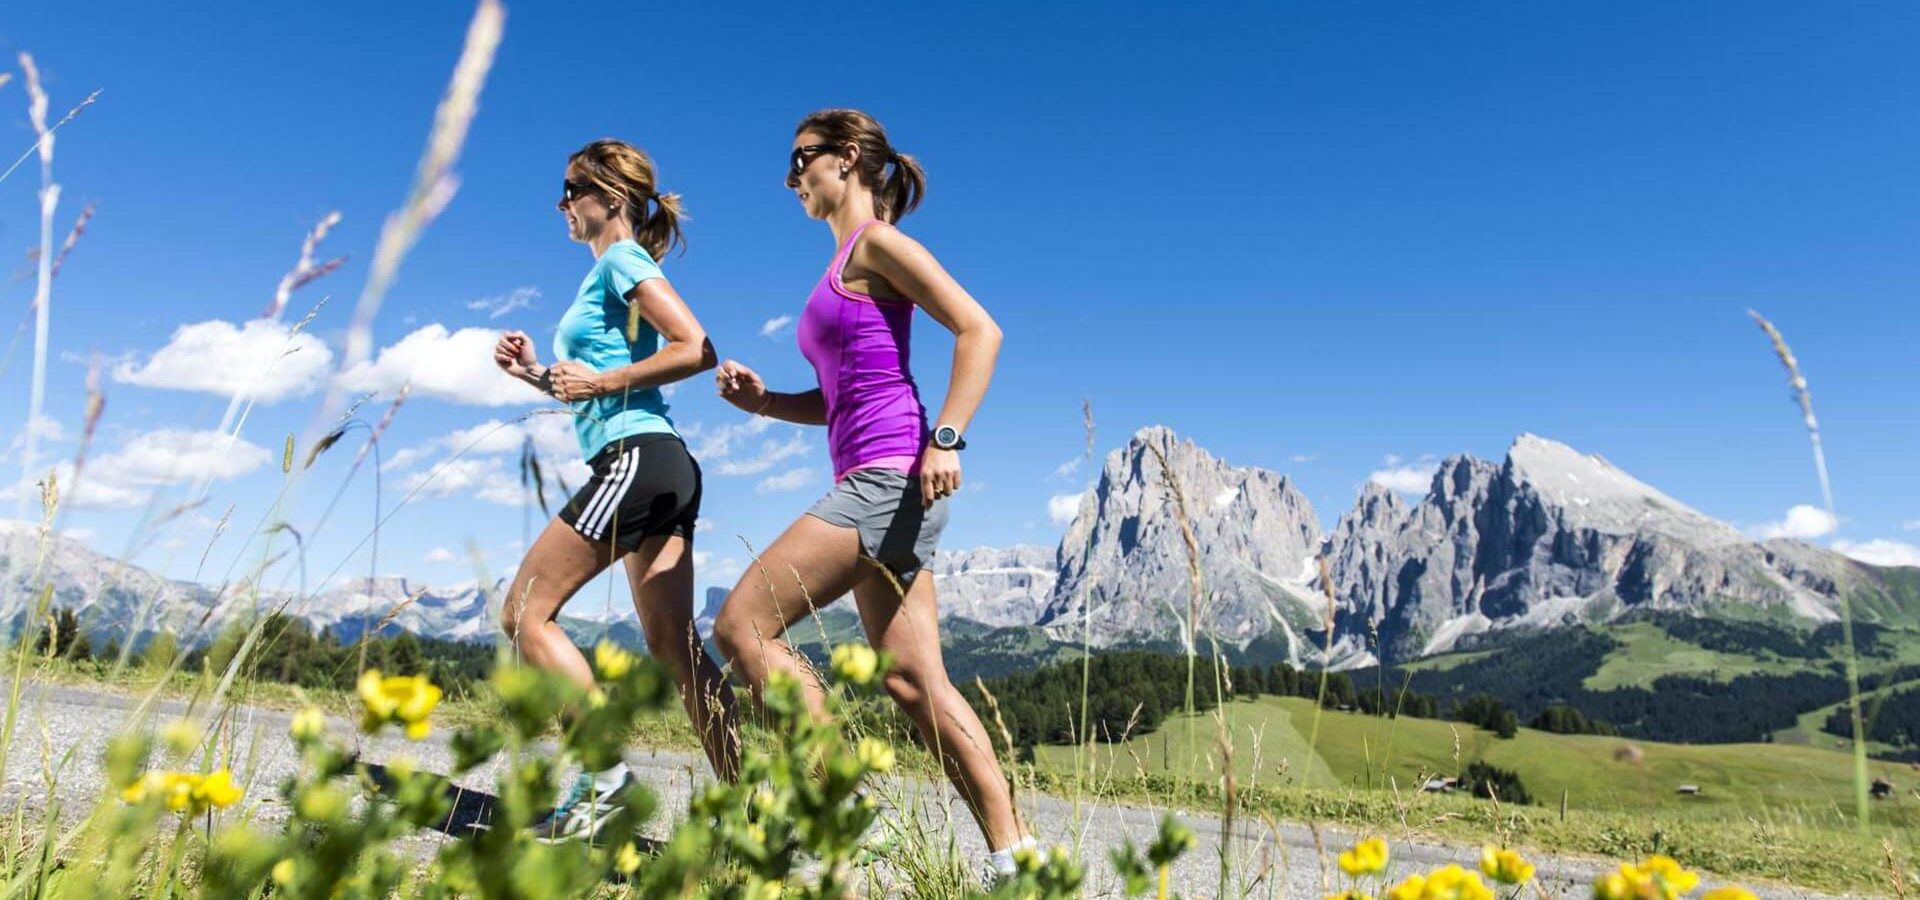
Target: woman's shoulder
{"x": 626, "y": 255}
{"x": 624, "y": 265}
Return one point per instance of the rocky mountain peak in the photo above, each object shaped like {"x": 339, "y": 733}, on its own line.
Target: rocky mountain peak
{"x": 1124, "y": 561}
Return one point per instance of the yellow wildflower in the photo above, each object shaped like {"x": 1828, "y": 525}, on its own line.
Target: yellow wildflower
{"x": 217, "y": 790}
{"x": 1612, "y": 886}
{"x": 1413, "y": 887}
{"x": 855, "y": 663}
{"x": 627, "y": 859}
{"x": 308, "y": 725}
{"x": 1655, "y": 878}
{"x": 1367, "y": 857}
{"x": 283, "y": 871}
{"x": 187, "y": 792}
{"x": 875, "y": 754}
{"x": 612, "y": 661}
{"x": 1730, "y": 892}
{"x": 405, "y": 699}
{"x": 1505, "y": 866}
{"x": 1451, "y": 882}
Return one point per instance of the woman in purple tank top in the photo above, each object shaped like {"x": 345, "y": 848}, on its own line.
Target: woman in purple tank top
{"x": 878, "y": 527}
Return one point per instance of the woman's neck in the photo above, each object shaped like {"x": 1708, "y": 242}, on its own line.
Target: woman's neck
{"x": 854, "y": 211}
{"x": 617, "y": 230}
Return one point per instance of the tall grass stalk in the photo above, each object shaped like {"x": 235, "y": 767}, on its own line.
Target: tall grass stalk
{"x": 1798, "y": 383}
{"x": 434, "y": 183}
{"x": 43, "y": 290}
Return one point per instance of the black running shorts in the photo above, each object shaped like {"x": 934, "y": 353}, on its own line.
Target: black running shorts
{"x": 642, "y": 486}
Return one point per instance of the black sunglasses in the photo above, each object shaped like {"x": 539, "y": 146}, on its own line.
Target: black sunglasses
{"x": 803, "y": 155}
{"x": 573, "y": 190}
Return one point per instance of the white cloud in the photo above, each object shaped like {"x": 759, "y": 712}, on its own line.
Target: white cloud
{"x": 1064, "y": 508}
{"x": 262, "y": 358}
{"x": 481, "y": 468}
{"x": 485, "y": 478}
{"x": 1881, "y": 552}
{"x": 492, "y": 436}
{"x": 455, "y": 367}
{"x": 790, "y": 480}
{"x": 1405, "y": 479}
{"x": 127, "y": 476}
{"x": 45, "y": 431}
{"x": 495, "y": 307}
{"x": 1302, "y": 458}
{"x": 771, "y": 454}
{"x": 1802, "y": 523}
{"x": 775, "y": 325}
{"x": 712, "y": 444}
{"x": 1066, "y": 469}
{"x": 440, "y": 555}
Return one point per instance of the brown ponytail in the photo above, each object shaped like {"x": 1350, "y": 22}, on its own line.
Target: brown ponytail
{"x": 896, "y": 192}
{"x": 625, "y": 175}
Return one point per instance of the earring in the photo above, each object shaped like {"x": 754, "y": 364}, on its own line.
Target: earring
{"x": 843, "y": 171}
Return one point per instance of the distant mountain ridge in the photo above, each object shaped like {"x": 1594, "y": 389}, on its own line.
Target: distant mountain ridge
{"x": 1547, "y": 537}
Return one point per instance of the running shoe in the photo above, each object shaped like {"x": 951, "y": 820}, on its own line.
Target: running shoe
{"x": 582, "y": 812}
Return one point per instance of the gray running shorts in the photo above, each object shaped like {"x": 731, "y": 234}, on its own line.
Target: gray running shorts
{"x": 884, "y": 506}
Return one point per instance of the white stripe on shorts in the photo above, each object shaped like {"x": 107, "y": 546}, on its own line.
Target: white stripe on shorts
{"x": 631, "y": 467}
{"x": 608, "y": 492}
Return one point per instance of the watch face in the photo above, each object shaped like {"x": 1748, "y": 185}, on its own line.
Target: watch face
{"x": 945, "y": 437}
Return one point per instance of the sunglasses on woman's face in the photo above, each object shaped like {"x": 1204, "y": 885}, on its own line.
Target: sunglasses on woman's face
{"x": 803, "y": 155}
{"x": 573, "y": 190}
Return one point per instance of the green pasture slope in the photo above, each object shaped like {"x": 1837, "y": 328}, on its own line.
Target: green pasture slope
{"x": 1795, "y": 783}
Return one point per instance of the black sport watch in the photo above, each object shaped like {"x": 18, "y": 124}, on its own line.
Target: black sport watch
{"x": 947, "y": 437}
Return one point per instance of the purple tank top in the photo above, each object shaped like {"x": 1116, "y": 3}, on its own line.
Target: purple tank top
{"x": 858, "y": 347}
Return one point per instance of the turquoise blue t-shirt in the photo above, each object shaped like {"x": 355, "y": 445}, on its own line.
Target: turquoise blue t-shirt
{"x": 594, "y": 332}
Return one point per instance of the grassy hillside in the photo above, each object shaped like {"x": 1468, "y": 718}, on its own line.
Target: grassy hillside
{"x": 1271, "y": 744}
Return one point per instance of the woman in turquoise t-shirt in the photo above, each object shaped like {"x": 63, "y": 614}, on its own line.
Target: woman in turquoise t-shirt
{"x": 626, "y": 333}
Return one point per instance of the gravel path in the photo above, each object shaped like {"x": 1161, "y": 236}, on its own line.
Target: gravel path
{"x": 63, "y": 729}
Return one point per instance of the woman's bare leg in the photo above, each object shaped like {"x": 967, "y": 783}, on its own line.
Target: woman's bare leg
{"x": 661, "y": 573}
{"x": 909, "y": 628}
{"x": 558, "y": 564}
{"x": 809, "y": 566}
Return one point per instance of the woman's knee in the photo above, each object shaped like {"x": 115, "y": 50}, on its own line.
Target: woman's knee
{"x": 733, "y": 633}
{"x": 911, "y": 688}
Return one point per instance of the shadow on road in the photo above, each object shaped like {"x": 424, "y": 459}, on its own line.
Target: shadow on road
{"x": 471, "y": 810}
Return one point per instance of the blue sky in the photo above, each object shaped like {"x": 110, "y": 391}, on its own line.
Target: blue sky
{"x": 1329, "y": 239}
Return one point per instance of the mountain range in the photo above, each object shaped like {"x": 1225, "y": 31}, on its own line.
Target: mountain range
{"x": 1173, "y": 547}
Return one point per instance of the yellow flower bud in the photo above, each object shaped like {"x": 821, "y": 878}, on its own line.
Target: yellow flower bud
{"x": 283, "y": 871}
{"x": 875, "y": 754}
{"x": 321, "y": 804}
{"x": 180, "y": 736}
{"x": 308, "y": 725}
{"x": 627, "y": 860}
